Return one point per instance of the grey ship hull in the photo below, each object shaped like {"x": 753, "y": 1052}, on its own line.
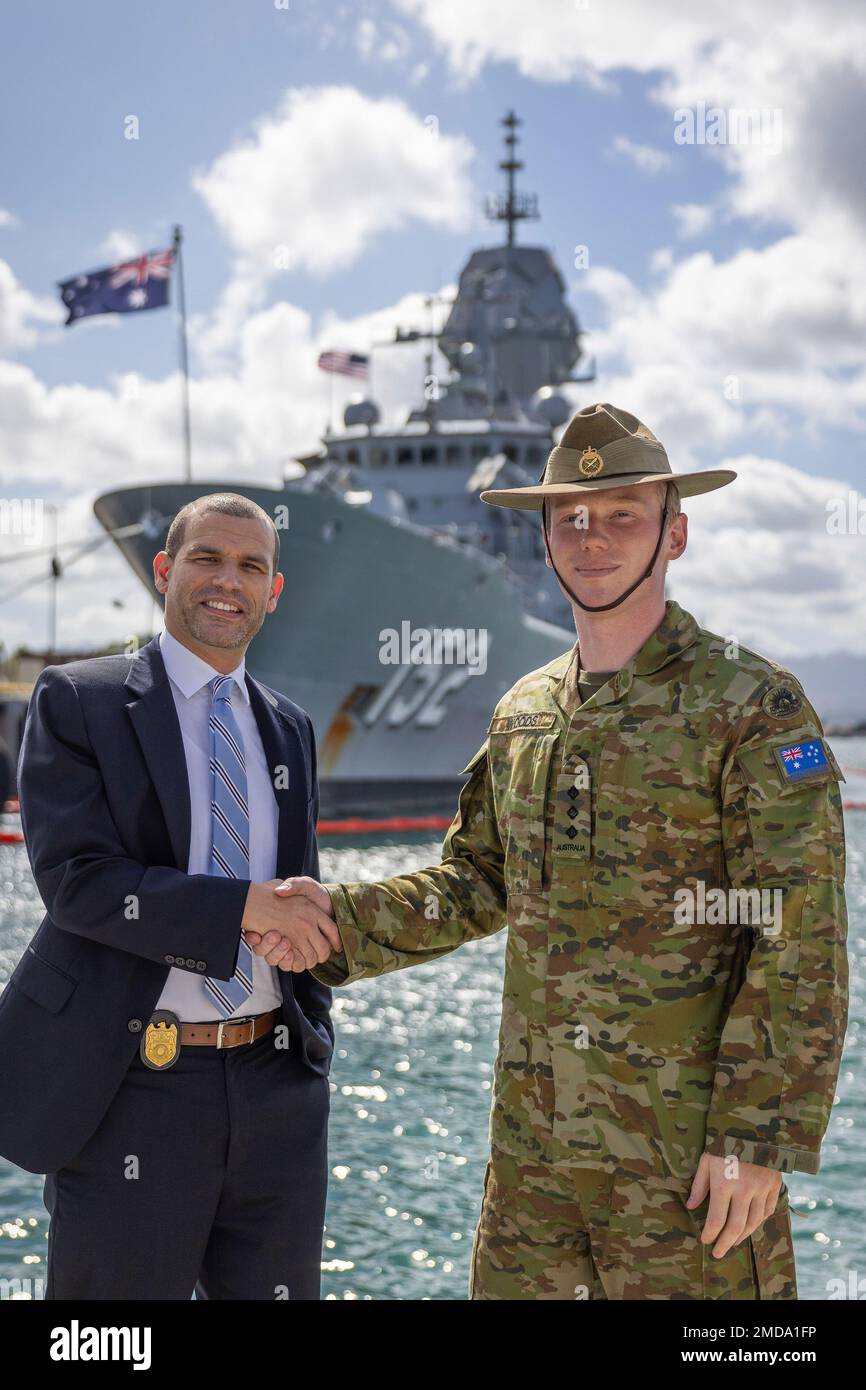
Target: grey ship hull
{"x": 392, "y": 740}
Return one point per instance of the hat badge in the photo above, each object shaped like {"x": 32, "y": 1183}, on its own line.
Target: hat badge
{"x": 590, "y": 462}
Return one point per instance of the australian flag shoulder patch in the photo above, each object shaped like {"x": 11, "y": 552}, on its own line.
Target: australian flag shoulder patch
{"x": 806, "y": 759}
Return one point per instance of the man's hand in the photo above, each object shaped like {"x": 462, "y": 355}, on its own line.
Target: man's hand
{"x": 293, "y": 935}
{"x": 309, "y": 888}
{"x": 737, "y": 1205}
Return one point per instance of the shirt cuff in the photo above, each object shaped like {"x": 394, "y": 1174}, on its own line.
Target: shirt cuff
{"x": 764, "y": 1155}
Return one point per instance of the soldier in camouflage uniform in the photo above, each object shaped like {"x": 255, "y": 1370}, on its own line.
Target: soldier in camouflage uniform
{"x": 666, "y": 1031}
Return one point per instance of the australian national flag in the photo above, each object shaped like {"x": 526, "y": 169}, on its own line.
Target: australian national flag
{"x": 801, "y": 760}
{"x": 119, "y": 289}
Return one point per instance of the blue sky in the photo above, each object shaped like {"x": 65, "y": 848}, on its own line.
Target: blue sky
{"x": 71, "y": 85}
{"x": 761, "y": 282}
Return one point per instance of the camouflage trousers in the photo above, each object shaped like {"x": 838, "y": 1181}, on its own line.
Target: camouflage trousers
{"x": 579, "y": 1233}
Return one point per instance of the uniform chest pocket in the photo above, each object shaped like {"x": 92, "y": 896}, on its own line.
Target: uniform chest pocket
{"x": 657, "y": 821}
{"x": 521, "y": 764}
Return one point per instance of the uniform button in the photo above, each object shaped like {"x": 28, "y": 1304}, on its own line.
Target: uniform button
{"x": 134, "y": 1025}
{"x": 169, "y": 960}
{"x": 201, "y": 965}
{"x": 190, "y": 963}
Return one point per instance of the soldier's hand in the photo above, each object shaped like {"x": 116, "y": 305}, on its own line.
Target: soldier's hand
{"x": 738, "y": 1204}
{"x": 309, "y": 888}
{"x": 282, "y": 954}
{"x": 294, "y": 935}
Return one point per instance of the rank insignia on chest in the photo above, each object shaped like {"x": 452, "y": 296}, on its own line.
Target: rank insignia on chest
{"x": 571, "y": 822}
{"x": 799, "y": 761}
{"x": 160, "y": 1045}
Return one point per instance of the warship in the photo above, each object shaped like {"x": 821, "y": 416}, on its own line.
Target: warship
{"x": 386, "y": 537}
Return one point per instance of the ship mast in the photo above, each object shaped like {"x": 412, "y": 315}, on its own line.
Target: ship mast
{"x": 414, "y": 335}
{"x": 513, "y": 207}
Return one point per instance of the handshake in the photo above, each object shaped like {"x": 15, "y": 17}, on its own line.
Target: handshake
{"x": 290, "y": 922}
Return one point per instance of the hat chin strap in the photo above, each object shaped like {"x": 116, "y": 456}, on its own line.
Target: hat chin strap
{"x": 604, "y": 607}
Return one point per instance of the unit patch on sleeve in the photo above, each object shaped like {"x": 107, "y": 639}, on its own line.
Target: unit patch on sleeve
{"x": 782, "y": 702}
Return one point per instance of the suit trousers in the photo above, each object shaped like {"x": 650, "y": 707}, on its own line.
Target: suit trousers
{"x": 210, "y": 1176}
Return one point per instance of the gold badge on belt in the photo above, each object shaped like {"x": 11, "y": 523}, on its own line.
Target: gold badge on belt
{"x": 160, "y": 1045}
{"x": 590, "y": 462}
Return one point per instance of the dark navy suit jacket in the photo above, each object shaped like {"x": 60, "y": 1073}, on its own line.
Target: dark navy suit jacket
{"x": 105, "y": 811}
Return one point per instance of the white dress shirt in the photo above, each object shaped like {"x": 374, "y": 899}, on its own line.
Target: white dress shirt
{"x": 184, "y": 993}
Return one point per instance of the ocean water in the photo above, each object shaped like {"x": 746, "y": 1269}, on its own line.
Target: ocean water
{"x": 411, "y": 1090}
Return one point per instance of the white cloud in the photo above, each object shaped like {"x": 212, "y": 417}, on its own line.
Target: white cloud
{"x": 804, "y": 60}
{"x": 73, "y": 442}
{"x": 120, "y": 245}
{"x": 644, "y": 157}
{"x": 555, "y": 42}
{"x": 770, "y": 339}
{"x": 693, "y": 219}
{"x": 317, "y": 181}
{"x": 661, "y": 259}
{"x": 22, "y": 313}
{"x": 245, "y": 423}
{"x": 7, "y": 218}
{"x": 786, "y": 324}
{"x": 98, "y": 596}
{"x": 716, "y": 349}
{"x": 389, "y": 44}
{"x": 398, "y": 369}
{"x": 790, "y": 586}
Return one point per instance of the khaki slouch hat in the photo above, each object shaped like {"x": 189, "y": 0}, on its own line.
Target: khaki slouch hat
{"x": 604, "y": 447}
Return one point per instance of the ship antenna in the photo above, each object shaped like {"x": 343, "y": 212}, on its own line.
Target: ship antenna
{"x": 513, "y": 207}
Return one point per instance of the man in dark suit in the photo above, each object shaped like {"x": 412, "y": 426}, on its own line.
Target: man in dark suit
{"x": 163, "y": 796}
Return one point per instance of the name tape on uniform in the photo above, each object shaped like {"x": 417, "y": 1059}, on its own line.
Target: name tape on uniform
{"x": 518, "y": 723}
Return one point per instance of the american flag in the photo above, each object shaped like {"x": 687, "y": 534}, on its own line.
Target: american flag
{"x": 347, "y": 363}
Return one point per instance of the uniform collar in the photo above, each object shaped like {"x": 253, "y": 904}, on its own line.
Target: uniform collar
{"x": 676, "y": 632}
{"x": 190, "y": 673}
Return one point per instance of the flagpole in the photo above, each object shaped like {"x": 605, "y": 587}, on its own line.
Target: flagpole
{"x": 184, "y": 358}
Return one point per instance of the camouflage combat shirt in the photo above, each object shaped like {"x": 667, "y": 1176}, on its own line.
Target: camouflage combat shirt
{"x": 646, "y": 1015}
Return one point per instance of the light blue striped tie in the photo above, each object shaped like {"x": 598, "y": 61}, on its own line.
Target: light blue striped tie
{"x": 230, "y": 834}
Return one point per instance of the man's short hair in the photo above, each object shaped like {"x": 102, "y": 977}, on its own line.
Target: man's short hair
{"x": 673, "y": 499}
{"x": 230, "y": 504}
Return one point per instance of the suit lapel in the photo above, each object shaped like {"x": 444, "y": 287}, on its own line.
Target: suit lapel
{"x": 157, "y": 728}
